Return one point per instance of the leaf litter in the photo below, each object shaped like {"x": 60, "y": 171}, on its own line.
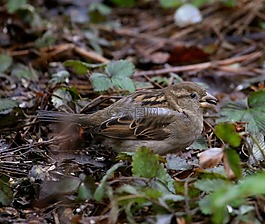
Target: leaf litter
{"x": 58, "y": 173}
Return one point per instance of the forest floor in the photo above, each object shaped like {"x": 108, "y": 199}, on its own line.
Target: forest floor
{"x": 51, "y": 55}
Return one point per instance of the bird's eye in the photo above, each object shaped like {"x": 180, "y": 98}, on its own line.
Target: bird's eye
{"x": 193, "y": 95}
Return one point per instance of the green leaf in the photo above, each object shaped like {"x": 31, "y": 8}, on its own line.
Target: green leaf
{"x": 161, "y": 80}
{"x": 129, "y": 189}
{"x": 170, "y": 3}
{"x": 101, "y": 189}
{"x": 121, "y": 69}
{"x": 199, "y": 143}
{"x": 47, "y": 39}
{"x": 180, "y": 189}
{"x": 80, "y": 67}
{"x": 172, "y": 197}
{"x": 60, "y": 77}
{"x": 14, "y": 5}
{"x": 119, "y": 72}
{"x": 66, "y": 185}
{"x": 101, "y": 8}
{"x": 5, "y": 62}
{"x": 230, "y": 194}
{"x": 175, "y": 162}
{"x": 6, "y": 194}
{"x": 229, "y": 3}
{"x": 256, "y": 100}
{"x": 114, "y": 210}
{"x": 209, "y": 185}
{"x": 84, "y": 193}
{"x": 61, "y": 97}
{"x": 123, "y": 83}
{"x": 100, "y": 82}
{"x": 250, "y": 110}
{"x": 86, "y": 188}
{"x": 227, "y": 133}
{"x": 74, "y": 93}
{"x": 122, "y": 3}
{"x": 128, "y": 211}
{"x": 199, "y": 3}
{"x": 205, "y": 205}
{"x": 152, "y": 193}
{"x": 23, "y": 72}
{"x": 6, "y": 105}
{"x": 98, "y": 12}
{"x": 234, "y": 162}
{"x": 146, "y": 164}
{"x": 30, "y": 15}
{"x": 95, "y": 40}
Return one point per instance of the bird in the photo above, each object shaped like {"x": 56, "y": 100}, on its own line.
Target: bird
{"x": 165, "y": 120}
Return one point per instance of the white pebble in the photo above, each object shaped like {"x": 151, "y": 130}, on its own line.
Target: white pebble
{"x": 187, "y": 14}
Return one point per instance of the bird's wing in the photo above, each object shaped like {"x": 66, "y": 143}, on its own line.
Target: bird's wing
{"x": 150, "y": 124}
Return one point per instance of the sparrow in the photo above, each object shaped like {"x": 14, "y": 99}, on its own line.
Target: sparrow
{"x": 165, "y": 120}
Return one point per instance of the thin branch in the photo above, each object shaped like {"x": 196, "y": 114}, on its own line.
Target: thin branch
{"x": 200, "y": 66}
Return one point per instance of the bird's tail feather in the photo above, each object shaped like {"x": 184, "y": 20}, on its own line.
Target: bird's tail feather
{"x": 55, "y": 116}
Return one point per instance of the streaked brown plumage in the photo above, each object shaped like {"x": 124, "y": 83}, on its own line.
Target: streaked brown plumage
{"x": 165, "y": 120}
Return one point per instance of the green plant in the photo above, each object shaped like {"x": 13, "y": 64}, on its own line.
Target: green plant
{"x": 116, "y": 74}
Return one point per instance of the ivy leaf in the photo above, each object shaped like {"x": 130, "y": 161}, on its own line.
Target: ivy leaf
{"x": 5, "y": 62}
{"x": 227, "y": 132}
{"x": 100, "y": 82}
{"x": 250, "y": 110}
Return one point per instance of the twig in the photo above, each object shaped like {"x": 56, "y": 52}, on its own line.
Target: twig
{"x": 97, "y": 101}
{"x": 200, "y": 66}
{"x": 90, "y": 54}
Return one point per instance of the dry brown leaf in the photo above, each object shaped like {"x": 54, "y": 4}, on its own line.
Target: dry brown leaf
{"x": 211, "y": 157}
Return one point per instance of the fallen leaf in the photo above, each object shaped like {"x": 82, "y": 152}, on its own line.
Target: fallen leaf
{"x": 211, "y": 157}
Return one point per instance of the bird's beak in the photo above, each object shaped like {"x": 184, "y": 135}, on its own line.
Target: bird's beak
{"x": 208, "y": 101}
